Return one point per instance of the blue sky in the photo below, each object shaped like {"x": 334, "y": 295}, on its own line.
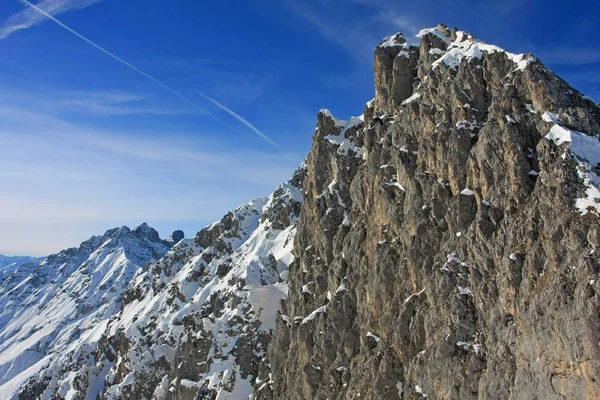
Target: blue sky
{"x": 88, "y": 143}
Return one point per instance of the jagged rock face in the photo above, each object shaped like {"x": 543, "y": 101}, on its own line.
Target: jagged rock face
{"x": 446, "y": 246}
{"x": 53, "y": 313}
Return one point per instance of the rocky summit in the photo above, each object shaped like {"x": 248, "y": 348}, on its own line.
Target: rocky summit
{"x": 441, "y": 245}
{"x": 446, "y": 245}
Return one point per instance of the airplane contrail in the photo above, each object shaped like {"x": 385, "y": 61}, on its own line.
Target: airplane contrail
{"x": 239, "y": 118}
{"x": 139, "y": 71}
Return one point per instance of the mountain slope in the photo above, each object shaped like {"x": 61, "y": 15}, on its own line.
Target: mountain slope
{"x": 441, "y": 245}
{"x": 214, "y": 300}
{"x": 196, "y": 320}
{"x": 9, "y": 264}
{"x": 447, "y": 242}
{"x": 53, "y": 313}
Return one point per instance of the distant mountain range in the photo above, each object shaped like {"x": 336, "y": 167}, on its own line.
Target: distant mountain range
{"x": 119, "y": 316}
{"x": 53, "y": 312}
{"x": 9, "y": 264}
{"x": 442, "y": 245}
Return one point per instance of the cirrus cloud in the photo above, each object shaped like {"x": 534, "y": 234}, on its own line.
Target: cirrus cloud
{"x": 29, "y": 17}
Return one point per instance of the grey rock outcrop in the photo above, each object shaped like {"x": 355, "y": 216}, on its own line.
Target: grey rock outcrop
{"x": 442, "y": 245}
{"x": 447, "y": 245}
{"x": 176, "y": 237}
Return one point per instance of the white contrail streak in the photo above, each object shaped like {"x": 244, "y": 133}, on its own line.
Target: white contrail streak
{"x": 28, "y": 17}
{"x": 239, "y": 118}
{"x": 139, "y": 71}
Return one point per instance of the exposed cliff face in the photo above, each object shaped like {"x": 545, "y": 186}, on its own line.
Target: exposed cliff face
{"x": 446, "y": 245}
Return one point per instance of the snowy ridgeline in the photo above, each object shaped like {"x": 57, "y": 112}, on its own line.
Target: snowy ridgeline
{"x": 584, "y": 149}
{"x": 117, "y": 316}
{"x": 9, "y": 264}
{"x": 127, "y": 315}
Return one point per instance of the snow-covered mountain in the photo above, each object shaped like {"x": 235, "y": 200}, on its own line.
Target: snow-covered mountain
{"x": 199, "y": 320}
{"x": 54, "y": 312}
{"x": 444, "y": 246}
{"x": 127, "y": 315}
{"x": 9, "y": 264}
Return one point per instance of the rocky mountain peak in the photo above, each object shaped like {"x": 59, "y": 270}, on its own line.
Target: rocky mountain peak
{"x": 147, "y": 232}
{"x": 443, "y": 244}
{"x": 450, "y": 58}
{"x": 176, "y": 237}
{"x": 442, "y": 230}
{"x": 81, "y": 289}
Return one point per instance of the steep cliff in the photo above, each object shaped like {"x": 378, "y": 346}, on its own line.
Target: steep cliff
{"x": 446, "y": 245}
{"x": 441, "y": 245}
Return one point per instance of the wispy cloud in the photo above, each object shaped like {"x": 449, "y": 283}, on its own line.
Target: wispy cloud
{"x": 358, "y": 36}
{"x": 109, "y": 178}
{"x": 240, "y": 119}
{"x": 108, "y": 53}
{"x": 148, "y": 76}
{"x": 30, "y": 17}
{"x": 404, "y": 23}
{"x": 115, "y": 103}
{"x": 570, "y": 56}
{"x": 357, "y": 42}
{"x": 391, "y": 14}
{"x": 243, "y": 89}
{"x": 237, "y": 82}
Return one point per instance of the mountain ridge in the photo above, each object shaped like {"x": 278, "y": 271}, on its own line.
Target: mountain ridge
{"x": 446, "y": 245}
{"x": 45, "y": 305}
{"x": 226, "y": 280}
{"x": 440, "y": 245}
{"x": 8, "y": 264}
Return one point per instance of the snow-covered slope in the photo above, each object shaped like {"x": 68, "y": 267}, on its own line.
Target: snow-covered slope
{"x": 194, "y": 322}
{"x": 54, "y": 312}
{"x": 198, "y": 321}
{"x": 9, "y": 264}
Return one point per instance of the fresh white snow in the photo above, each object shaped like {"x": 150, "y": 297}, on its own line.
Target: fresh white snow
{"x": 585, "y": 150}
{"x": 462, "y": 291}
{"x": 466, "y": 47}
{"x": 529, "y": 108}
{"x": 373, "y": 336}
{"x": 415, "y": 96}
{"x": 312, "y": 315}
{"x": 344, "y": 144}
{"x": 414, "y": 295}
